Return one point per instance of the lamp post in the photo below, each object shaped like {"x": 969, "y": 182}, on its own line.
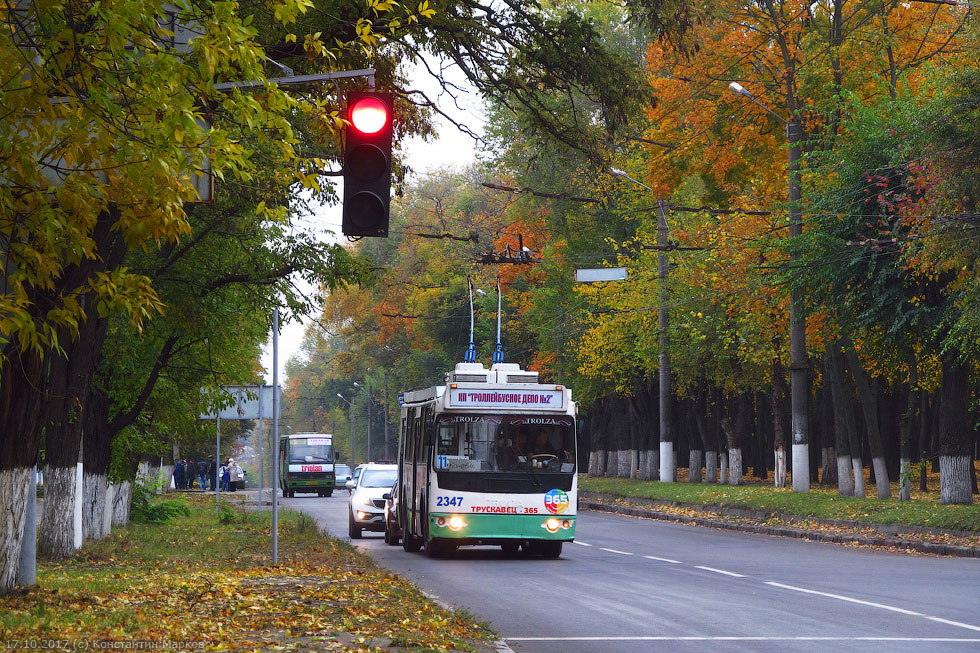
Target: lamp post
{"x": 350, "y": 419}
{"x": 370, "y": 401}
{"x": 799, "y": 390}
{"x": 667, "y": 464}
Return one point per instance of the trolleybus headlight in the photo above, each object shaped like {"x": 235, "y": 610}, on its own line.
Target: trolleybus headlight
{"x": 567, "y": 523}
{"x": 456, "y": 522}
{"x": 552, "y": 525}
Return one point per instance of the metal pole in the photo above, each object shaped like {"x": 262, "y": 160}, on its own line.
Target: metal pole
{"x": 261, "y": 392}
{"x": 275, "y": 434}
{"x": 387, "y": 433}
{"x": 667, "y": 466}
{"x": 799, "y": 389}
{"x": 370, "y": 401}
{"x": 27, "y": 567}
{"x": 350, "y": 419}
{"x": 217, "y": 464}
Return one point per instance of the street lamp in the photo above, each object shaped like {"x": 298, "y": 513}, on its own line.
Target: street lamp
{"x": 350, "y": 419}
{"x": 667, "y": 464}
{"x": 799, "y": 389}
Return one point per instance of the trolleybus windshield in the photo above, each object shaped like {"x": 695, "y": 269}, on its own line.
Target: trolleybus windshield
{"x": 310, "y": 450}
{"x": 482, "y": 443}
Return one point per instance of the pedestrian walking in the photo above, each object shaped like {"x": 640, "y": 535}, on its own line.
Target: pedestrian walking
{"x": 225, "y": 475}
{"x": 234, "y": 474}
{"x": 212, "y": 472}
{"x": 190, "y": 471}
{"x": 202, "y": 475}
{"x": 179, "y": 474}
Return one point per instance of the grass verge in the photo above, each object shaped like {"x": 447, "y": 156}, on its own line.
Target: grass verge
{"x": 209, "y": 582}
{"x": 819, "y": 503}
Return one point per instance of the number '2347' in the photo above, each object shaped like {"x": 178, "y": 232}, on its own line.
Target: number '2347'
{"x": 449, "y": 501}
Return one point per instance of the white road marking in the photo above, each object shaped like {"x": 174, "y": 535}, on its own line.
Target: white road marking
{"x": 580, "y": 543}
{"x": 872, "y": 604}
{"x": 500, "y": 646}
{"x": 673, "y": 562}
{"x": 720, "y": 571}
{"x": 625, "y": 553}
{"x": 706, "y": 638}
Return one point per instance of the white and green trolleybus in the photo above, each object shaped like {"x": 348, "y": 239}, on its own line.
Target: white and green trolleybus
{"x": 306, "y": 464}
{"x": 489, "y": 458}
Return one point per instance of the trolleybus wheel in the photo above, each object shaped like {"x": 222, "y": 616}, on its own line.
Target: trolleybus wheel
{"x": 411, "y": 543}
{"x": 353, "y": 530}
{"x": 327, "y": 493}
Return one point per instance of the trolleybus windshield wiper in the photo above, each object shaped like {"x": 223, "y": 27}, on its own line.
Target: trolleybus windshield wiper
{"x": 534, "y": 475}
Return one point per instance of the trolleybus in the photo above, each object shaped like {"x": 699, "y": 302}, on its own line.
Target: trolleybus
{"x": 488, "y": 459}
{"x": 306, "y": 464}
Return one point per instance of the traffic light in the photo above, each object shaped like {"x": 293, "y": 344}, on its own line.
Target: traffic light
{"x": 367, "y": 164}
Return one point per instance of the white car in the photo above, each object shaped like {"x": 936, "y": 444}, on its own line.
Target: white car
{"x": 367, "y": 504}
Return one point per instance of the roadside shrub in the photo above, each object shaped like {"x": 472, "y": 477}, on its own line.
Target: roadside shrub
{"x": 147, "y": 508}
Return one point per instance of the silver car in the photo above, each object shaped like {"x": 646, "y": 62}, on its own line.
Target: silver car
{"x": 367, "y": 504}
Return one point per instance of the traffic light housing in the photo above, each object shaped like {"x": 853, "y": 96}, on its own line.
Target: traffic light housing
{"x": 367, "y": 163}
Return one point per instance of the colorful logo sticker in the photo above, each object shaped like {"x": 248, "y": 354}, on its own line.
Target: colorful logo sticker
{"x": 556, "y": 501}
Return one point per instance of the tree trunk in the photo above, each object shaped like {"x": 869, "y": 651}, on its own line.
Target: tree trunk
{"x": 600, "y": 463}
{"x": 905, "y": 435}
{"x": 14, "y": 486}
{"x": 20, "y": 403}
{"x": 56, "y": 530}
{"x": 869, "y": 406}
{"x": 924, "y": 421}
{"x": 845, "y": 430}
{"x": 723, "y": 468}
{"x": 734, "y": 466}
{"x": 694, "y": 466}
{"x": 710, "y": 466}
{"x": 776, "y": 408}
{"x": 612, "y": 463}
{"x": 955, "y": 435}
{"x": 95, "y": 460}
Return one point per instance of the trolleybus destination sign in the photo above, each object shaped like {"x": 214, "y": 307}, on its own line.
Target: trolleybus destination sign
{"x": 506, "y": 398}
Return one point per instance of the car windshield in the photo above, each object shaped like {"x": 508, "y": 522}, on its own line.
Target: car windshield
{"x": 473, "y": 443}
{"x": 378, "y": 477}
{"x": 302, "y": 450}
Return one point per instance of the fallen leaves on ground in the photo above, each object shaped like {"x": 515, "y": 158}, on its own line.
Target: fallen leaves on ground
{"x": 323, "y": 594}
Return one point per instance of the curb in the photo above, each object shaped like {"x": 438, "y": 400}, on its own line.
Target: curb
{"x": 597, "y": 504}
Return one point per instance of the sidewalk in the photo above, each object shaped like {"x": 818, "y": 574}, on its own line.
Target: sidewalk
{"x": 910, "y": 539}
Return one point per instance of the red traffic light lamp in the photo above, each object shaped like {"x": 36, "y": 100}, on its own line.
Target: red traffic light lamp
{"x": 367, "y": 163}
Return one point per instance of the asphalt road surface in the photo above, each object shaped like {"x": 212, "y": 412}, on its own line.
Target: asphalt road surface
{"x": 630, "y": 584}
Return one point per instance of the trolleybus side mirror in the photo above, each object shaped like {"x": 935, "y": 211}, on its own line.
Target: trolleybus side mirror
{"x": 386, "y": 496}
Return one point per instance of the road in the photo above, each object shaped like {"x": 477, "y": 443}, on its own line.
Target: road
{"x": 631, "y": 584}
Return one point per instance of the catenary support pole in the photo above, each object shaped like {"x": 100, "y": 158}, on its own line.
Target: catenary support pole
{"x": 667, "y": 466}
{"x": 217, "y": 463}
{"x": 261, "y": 483}
{"x": 275, "y": 434}
{"x": 798, "y": 375}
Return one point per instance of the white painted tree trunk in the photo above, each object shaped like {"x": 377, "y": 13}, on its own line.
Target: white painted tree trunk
{"x": 612, "y": 463}
{"x": 593, "y": 464}
{"x": 94, "y": 506}
{"x": 642, "y": 472}
{"x": 857, "y": 467}
{"x": 600, "y": 463}
{"x": 954, "y": 480}
{"x": 881, "y": 478}
{"x": 76, "y": 516}
{"x": 625, "y": 458}
{"x": 110, "y": 496}
{"x": 904, "y": 480}
{"x": 734, "y": 466}
{"x": 634, "y": 463}
{"x": 779, "y": 475}
{"x": 56, "y": 531}
{"x": 694, "y": 466}
{"x": 668, "y": 466}
{"x": 121, "y": 502}
{"x": 845, "y": 477}
{"x": 710, "y": 466}
{"x": 14, "y": 484}
{"x": 723, "y": 468}
{"x": 801, "y": 468}
{"x": 653, "y": 464}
